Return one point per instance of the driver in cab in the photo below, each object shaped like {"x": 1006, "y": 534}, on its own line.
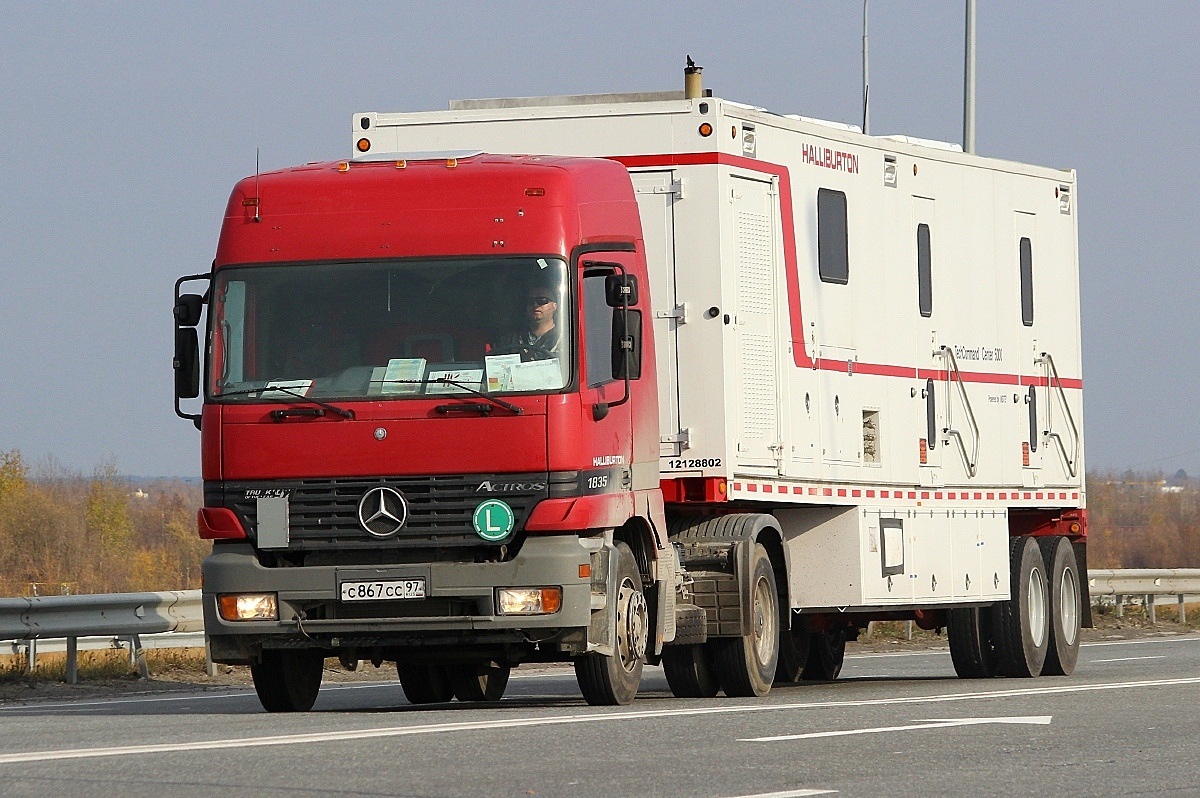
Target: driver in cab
{"x": 540, "y": 339}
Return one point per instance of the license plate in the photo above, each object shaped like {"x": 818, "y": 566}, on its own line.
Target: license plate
{"x": 390, "y": 590}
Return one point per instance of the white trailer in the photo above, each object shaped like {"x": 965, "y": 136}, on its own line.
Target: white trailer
{"x": 875, "y": 340}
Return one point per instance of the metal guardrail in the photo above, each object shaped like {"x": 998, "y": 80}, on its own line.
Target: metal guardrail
{"x": 176, "y": 618}
{"x": 1148, "y": 583}
{"x": 129, "y": 615}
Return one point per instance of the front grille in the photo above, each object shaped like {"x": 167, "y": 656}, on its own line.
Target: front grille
{"x": 323, "y": 513}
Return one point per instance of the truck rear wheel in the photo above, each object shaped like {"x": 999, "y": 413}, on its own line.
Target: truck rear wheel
{"x": 972, "y": 644}
{"x": 425, "y": 682}
{"x": 288, "y": 681}
{"x": 746, "y": 665}
{"x": 826, "y": 654}
{"x": 1022, "y": 624}
{"x": 607, "y": 680}
{"x": 1065, "y": 606}
{"x": 689, "y": 671}
{"x": 794, "y": 645}
{"x": 472, "y": 681}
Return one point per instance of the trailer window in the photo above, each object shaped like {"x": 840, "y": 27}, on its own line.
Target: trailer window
{"x": 924, "y": 272}
{"x": 833, "y": 253}
{"x": 1026, "y": 282}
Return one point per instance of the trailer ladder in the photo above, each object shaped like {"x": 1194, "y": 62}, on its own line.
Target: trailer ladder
{"x": 1054, "y": 382}
{"x": 954, "y": 377}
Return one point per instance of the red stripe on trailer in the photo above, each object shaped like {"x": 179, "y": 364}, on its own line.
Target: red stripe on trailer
{"x": 856, "y": 493}
{"x": 750, "y": 486}
{"x": 768, "y": 488}
{"x": 841, "y": 492}
{"x": 826, "y": 491}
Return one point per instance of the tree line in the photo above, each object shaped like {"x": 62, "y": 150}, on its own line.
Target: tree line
{"x": 65, "y": 532}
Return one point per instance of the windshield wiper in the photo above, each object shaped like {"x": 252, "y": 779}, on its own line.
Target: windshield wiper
{"x": 498, "y": 402}
{"x": 516, "y": 410}
{"x": 279, "y": 415}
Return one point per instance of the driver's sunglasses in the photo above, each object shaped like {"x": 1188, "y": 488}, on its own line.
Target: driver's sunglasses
{"x": 538, "y": 301}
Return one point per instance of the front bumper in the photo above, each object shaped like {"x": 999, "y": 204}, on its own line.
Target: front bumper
{"x": 459, "y": 609}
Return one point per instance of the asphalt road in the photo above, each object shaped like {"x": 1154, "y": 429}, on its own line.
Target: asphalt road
{"x": 894, "y": 725}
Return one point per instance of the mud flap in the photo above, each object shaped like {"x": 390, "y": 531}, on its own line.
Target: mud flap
{"x": 602, "y": 628}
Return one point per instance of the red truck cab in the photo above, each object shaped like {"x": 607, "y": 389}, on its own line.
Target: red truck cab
{"x": 429, "y": 425}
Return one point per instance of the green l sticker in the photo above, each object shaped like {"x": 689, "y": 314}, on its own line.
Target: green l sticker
{"x": 493, "y": 520}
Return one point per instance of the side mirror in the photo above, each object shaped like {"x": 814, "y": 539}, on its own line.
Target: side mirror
{"x": 620, "y": 290}
{"x": 187, "y": 363}
{"x": 627, "y": 344}
{"x": 187, "y": 310}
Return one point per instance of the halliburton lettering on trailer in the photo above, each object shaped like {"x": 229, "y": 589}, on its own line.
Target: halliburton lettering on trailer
{"x": 830, "y": 159}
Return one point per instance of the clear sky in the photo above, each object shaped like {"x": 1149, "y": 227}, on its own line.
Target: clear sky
{"x": 124, "y": 126}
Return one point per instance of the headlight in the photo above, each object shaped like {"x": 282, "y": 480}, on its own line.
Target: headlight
{"x": 248, "y": 607}
{"x": 528, "y": 600}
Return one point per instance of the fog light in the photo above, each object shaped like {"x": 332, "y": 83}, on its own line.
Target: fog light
{"x": 528, "y": 600}
{"x": 248, "y": 607}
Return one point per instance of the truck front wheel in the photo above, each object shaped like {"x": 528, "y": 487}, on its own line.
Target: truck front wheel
{"x": 288, "y": 681}
{"x": 607, "y": 680}
{"x": 473, "y": 681}
{"x": 425, "y": 682}
{"x": 746, "y": 665}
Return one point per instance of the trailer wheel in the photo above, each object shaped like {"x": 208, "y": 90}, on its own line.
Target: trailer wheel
{"x": 689, "y": 671}
{"x": 607, "y": 680}
{"x": 425, "y": 682}
{"x": 826, "y": 655}
{"x": 1022, "y": 624}
{"x": 1065, "y": 605}
{"x": 794, "y": 646}
{"x": 746, "y": 665}
{"x": 478, "y": 681}
{"x": 972, "y": 643}
{"x": 288, "y": 681}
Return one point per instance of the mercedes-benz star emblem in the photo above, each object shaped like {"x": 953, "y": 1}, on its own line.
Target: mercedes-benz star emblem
{"x": 382, "y": 512}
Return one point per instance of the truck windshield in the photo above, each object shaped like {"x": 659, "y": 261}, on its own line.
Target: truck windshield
{"x": 390, "y": 330}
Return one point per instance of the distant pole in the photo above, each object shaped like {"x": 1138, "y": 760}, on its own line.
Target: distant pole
{"x": 969, "y": 81}
{"x": 866, "y": 77}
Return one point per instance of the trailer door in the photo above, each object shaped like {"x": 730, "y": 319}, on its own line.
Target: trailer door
{"x": 925, "y": 239}
{"x": 656, "y": 196}
{"x": 757, "y": 398}
{"x": 1035, "y": 397}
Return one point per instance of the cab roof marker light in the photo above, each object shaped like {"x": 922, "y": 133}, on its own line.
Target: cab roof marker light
{"x": 363, "y": 144}
{"x": 343, "y": 166}
{"x": 401, "y": 164}
{"x": 451, "y": 163}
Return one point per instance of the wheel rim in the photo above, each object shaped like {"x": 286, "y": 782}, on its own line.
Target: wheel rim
{"x": 1068, "y": 602}
{"x": 1037, "y": 607}
{"x": 764, "y": 620}
{"x": 631, "y": 625}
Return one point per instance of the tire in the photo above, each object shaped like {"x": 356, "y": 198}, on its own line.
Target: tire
{"x": 612, "y": 680}
{"x": 425, "y": 682}
{"x": 288, "y": 681}
{"x": 1065, "y": 606}
{"x": 1022, "y": 624}
{"x": 478, "y": 681}
{"x": 794, "y": 647}
{"x": 972, "y": 642}
{"x": 826, "y": 654}
{"x": 689, "y": 671}
{"x": 746, "y": 665}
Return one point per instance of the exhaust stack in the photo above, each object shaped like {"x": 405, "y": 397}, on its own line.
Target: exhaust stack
{"x": 693, "y": 83}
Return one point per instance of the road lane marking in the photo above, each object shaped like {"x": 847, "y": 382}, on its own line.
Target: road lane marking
{"x": 942, "y": 723}
{"x": 562, "y": 720}
{"x": 1123, "y": 659}
{"x": 788, "y": 794}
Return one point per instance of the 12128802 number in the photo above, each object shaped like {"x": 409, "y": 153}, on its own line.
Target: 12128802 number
{"x": 703, "y": 462}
